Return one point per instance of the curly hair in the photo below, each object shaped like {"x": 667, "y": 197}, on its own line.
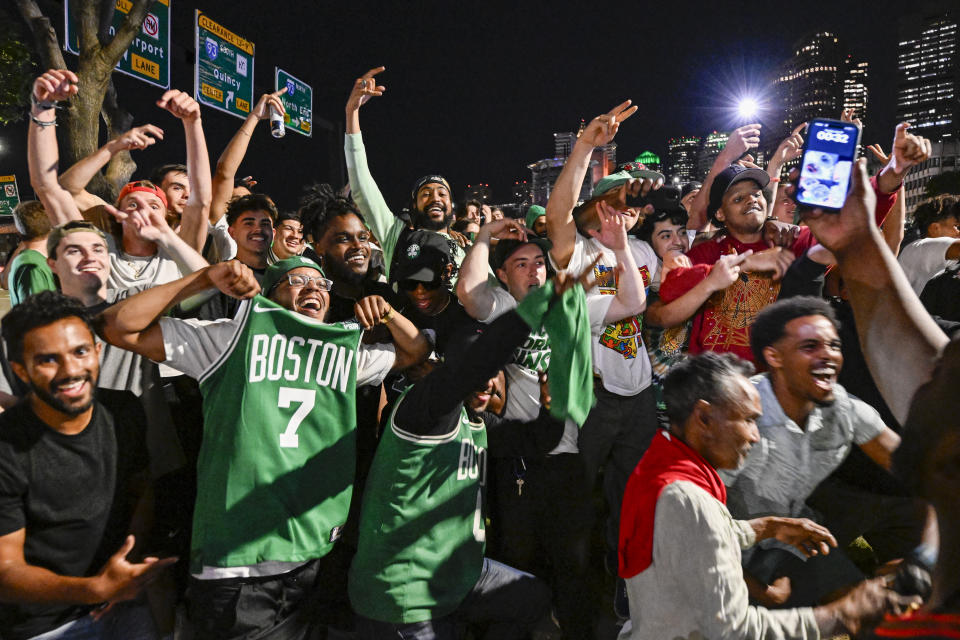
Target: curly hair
{"x": 934, "y": 210}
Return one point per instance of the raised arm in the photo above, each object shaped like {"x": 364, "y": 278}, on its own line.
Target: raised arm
{"x": 385, "y": 226}
{"x": 631, "y": 297}
{"x": 900, "y": 340}
{"x": 561, "y": 228}
{"x": 193, "y": 222}
{"x": 236, "y": 149}
{"x": 473, "y": 288}
{"x": 740, "y": 140}
{"x": 908, "y": 150}
{"x": 790, "y": 149}
{"x": 76, "y": 178}
{"x": 43, "y": 155}
{"x": 411, "y": 345}
{"x": 132, "y": 324}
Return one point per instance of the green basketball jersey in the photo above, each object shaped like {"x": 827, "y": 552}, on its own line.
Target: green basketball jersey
{"x": 422, "y": 531}
{"x": 276, "y": 468}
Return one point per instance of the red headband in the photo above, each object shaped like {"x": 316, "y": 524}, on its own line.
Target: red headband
{"x": 130, "y": 187}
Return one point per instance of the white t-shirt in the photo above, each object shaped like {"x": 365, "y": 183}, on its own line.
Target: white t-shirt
{"x": 222, "y": 246}
{"x": 127, "y": 272}
{"x": 619, "y": 355}
{"x": 925, "y": 259}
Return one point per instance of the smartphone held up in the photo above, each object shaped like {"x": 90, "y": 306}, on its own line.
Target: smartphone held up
{"x": 826, "y": 166}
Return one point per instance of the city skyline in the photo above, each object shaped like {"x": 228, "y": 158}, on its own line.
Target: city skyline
{"x": 476, "y": 93}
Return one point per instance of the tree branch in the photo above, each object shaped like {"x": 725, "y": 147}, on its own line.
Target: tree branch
{"x": 128, "y": 30}
{"x": 44, "y": 36}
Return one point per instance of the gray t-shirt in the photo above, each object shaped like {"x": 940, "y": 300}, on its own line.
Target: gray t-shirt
{"x": 783, "y": 469}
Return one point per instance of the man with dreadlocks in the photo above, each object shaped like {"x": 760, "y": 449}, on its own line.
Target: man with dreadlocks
{"x": 343, "y": 243}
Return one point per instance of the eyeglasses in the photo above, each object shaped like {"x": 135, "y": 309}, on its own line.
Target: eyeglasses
{"x": 297, "y": 280}
{"x": 410, "y": 285}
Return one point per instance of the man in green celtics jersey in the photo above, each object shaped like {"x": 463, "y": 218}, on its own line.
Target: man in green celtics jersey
{"x": 420, "y": 570}
{"x": 276, "y": 467}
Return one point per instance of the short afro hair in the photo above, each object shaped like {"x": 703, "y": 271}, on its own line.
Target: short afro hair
{"x": 771, "y": 323}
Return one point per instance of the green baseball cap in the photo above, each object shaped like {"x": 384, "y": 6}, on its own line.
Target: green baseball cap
{"x": 278, "y": 270}
{"x": 534, "y": 212}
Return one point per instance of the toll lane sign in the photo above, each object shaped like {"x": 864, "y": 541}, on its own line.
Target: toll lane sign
{"x": 9, "y": 196}
{"x": 297, "y": 101}
{"x": 148, "y": 56}
{"x": 224, "y": 68}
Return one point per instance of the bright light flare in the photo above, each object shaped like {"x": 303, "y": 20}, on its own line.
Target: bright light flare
{"x": 748, "y": 108}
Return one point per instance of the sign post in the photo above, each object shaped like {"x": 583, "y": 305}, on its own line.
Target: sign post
{"x": 224, "y": 68}
{"x": 298, "y": 102}
{"x": 9, "y": 196}
{"x": 148, "y": 56}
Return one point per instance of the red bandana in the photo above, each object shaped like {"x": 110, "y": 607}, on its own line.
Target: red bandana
{"x": 667, "y": 460}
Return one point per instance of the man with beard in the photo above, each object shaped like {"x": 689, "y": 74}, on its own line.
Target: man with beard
{"x": 276, "y": 467}
{"x": 431, "y": 196}
{"x": 808, "y": 425}
{"x": 72, "y": 473}
{"x": 343, "y": 243}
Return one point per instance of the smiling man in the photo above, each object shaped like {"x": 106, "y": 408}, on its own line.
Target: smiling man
{"x": 343, "y": 242}
{"x": 808, "y": 426}
{"x": 431, "y": 196}
{"x": 276, "y": 467}
{"x": 72, "y": 470}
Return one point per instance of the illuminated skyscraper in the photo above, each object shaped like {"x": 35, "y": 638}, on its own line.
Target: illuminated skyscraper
{"x": 928, "y": 60}
{"x": 708, "y": 151}
{"x": 855, "y": 87}
{"x": 682, "y": 158}
{"x": 810, "y": 84}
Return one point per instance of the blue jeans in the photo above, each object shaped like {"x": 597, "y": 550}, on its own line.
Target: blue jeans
{"x": 126, "y": 621}
{"x": 507, "y": 602}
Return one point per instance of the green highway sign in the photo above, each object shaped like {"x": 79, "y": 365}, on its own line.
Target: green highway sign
{"x": 298, "y": 102}
{"x": 148, "y": 56}
{"x": 9, "y": 196}
{"x": 224, "y": 68}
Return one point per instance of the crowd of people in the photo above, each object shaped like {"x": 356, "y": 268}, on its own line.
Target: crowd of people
{"x": 221, "y": 420}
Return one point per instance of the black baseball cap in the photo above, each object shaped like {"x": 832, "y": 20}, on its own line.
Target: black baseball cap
{"x": 727, "y": 178}
{"x": 506, "y": 248}
{"x": 422, "y": 256}
{"x": 688, "y": 187}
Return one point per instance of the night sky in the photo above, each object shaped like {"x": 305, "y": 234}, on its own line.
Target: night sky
{"x": 474, "y": 91}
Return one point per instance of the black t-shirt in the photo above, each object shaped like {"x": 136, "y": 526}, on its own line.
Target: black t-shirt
{"x": 443, "y": 326}
{"x": 72, "y": 495}
{"x": 941, "y": 295}
{"x": 341, "y": 306}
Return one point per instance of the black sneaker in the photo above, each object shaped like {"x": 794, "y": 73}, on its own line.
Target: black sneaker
{"x": 621, "y": 604}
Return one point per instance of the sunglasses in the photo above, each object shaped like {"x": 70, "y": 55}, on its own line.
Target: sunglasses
{"x": 410, "y": 285}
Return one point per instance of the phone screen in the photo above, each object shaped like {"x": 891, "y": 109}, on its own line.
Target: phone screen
{"x": 827, "y": 163}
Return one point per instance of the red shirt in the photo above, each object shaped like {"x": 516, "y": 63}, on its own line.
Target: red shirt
{"x": 723, "y": 323}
